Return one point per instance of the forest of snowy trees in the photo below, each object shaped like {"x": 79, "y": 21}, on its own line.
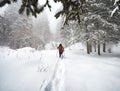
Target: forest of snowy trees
{"x": 17, "y": 31}
{"x": 95, "y": 23}
{"x": 97, "y": 30}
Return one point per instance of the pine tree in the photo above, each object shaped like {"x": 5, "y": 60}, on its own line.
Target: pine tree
{"x": 98, "y": 22}
{"x": 72, "y": 9}
{"x": 4, "y": 31}
{"x": 70, "y": 33}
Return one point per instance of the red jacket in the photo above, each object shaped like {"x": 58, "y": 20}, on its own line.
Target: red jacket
{"x": 60, "y": 48}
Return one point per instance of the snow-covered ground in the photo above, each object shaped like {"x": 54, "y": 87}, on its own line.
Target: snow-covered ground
{"x": 27, "y": 69}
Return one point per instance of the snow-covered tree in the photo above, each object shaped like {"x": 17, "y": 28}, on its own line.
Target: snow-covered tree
{"x": 99, "y": 26}
{"x": 72, "y": 9}
{"x": 41, "y": 28}
{"x": 4, "y": 31}
{"x": 19, "y": 25}
{"x": 116, "y": 7}
{"x": 21, "y": 34}
{"x": 70, "y": 33}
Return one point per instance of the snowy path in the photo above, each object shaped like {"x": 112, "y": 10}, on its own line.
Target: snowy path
{"x": 56, "y": 83}
{"x": 31, "y": 70}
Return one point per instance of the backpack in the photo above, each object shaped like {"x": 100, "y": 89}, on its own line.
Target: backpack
{"x": 61, "y": 48}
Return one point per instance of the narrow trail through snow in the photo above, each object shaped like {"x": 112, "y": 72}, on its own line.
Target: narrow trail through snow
{"x": 56, "y": 83}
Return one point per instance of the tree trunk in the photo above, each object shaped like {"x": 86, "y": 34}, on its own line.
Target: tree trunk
{"x": 88, "y": 48}
{"x": 104, "y": 47}
{"x": 109, "y": 50}
{"x": 98, "y": 49}
{"x": 95, "y": 47}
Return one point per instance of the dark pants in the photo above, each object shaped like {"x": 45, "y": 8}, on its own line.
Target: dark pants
{"x": 60, "y": 54}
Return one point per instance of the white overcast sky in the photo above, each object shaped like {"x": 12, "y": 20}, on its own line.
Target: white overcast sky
{"x": 52, "y": 20}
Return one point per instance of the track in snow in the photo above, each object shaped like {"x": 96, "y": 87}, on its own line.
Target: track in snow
{"x": 57, "y": 81}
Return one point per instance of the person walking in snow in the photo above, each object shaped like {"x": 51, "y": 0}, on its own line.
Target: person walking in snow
{"x": 61, "y": 50}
